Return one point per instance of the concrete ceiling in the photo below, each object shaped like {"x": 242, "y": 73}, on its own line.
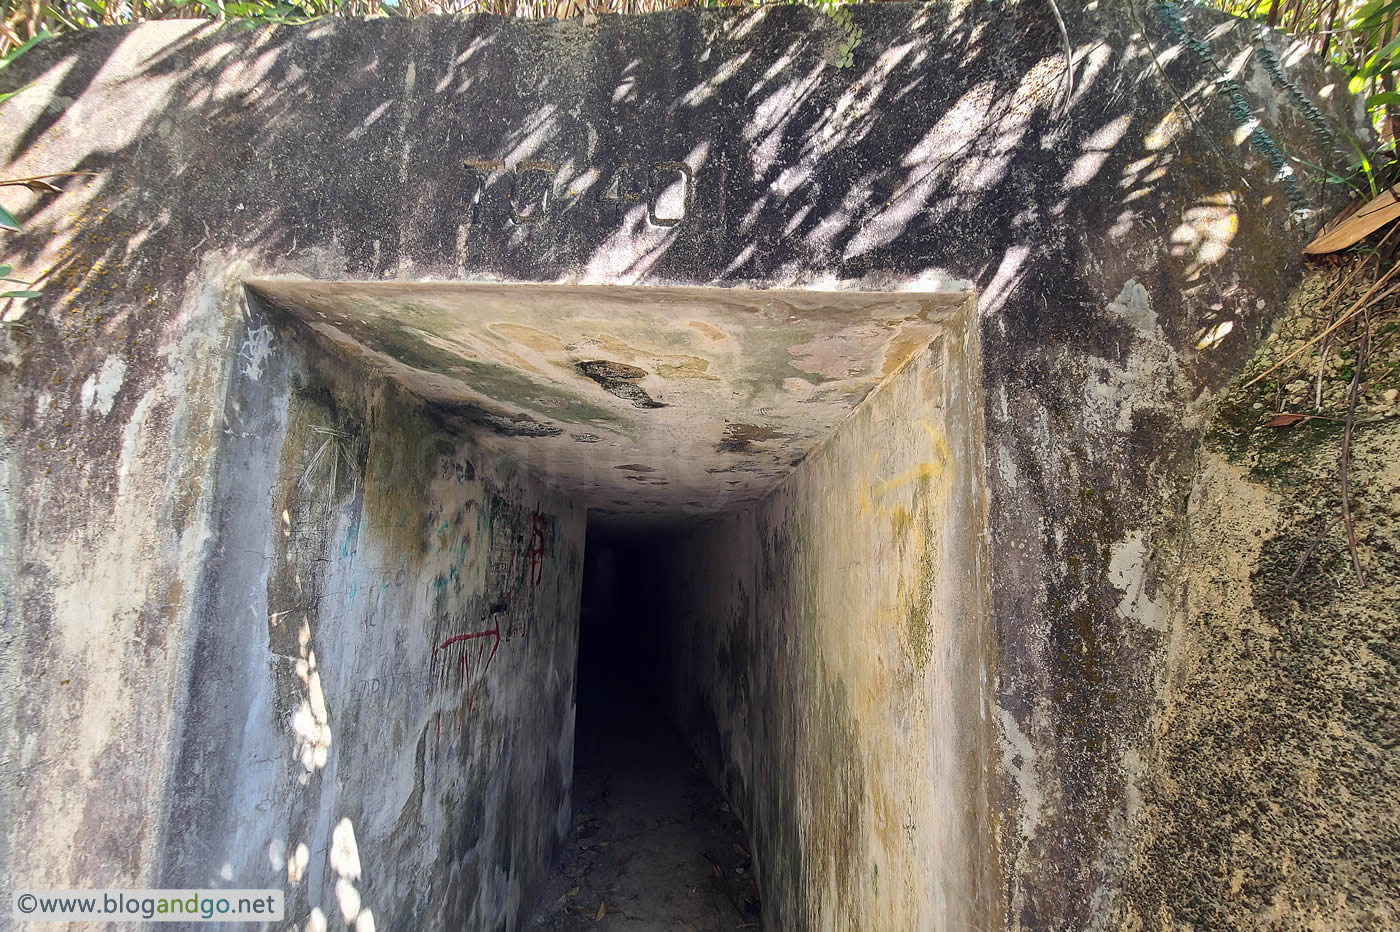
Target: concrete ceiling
{"x": 638, "y": 400}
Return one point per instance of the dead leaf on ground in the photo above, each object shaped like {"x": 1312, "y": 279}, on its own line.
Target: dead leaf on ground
{"x": 1351, "y": 228}
{"x": 1285, "y": 419}
{"x": 602, "y": 910}
{"x": 739, "y": 849}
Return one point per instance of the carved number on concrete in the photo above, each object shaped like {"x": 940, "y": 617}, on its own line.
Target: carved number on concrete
{"x": 665, "y": 175}
{"x": 531, "y": 193}
{"x": 617, "y": 194}
{"x": 522, "y": 210}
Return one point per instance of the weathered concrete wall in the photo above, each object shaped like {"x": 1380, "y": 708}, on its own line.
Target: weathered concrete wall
{"x": 1267, "y": 796}
{"x": 637, "y": 401}
{"x": 104, "y": 543}
{"x": 401, "y": 609}
{"x": 829, "y": 657}
{"x": 1128, "y": 242}
{"x": 363, "y": 692}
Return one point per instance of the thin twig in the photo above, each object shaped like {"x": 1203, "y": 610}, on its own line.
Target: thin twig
{"x": 1352, "y": 397}
{"x": 1321, "y": 363}
{"x": 1303, "y": 417}
{"x": 12, "y": 182}
{"x": 1361, "y": 304}
{"x": 1069, "y": 55}
{"x": 1303, "y": 561}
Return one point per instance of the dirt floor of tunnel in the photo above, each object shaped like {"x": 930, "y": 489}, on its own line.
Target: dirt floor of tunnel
{"x": 653, "y": 845}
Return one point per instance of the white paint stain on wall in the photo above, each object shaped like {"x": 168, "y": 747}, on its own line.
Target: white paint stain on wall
{"x": 1127, "y": 570}
{"x": 1135, "y": 307}
{"x": 1148, "y": 378}
{"x": 1007, "y": 466}
{"x": 257, "y": 346}
{"x": 1018, "y": 755}
{"x": 99, "y": 391}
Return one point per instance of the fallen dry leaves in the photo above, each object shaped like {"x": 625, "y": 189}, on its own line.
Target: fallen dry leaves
{"x": 1351, "y": 228}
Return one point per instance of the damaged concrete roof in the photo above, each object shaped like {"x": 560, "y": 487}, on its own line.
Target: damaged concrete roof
{"x": 638, "y": 400}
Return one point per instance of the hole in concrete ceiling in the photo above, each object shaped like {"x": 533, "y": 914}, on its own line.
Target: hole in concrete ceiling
{"x": 645, "y": 402}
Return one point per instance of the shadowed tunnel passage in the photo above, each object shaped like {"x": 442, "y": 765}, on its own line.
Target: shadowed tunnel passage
{"x": 653, "y": 841}
{"x": 777, "y": 618}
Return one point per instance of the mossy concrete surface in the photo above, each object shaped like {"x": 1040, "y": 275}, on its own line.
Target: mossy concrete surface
{"x": 171, "y": 508}
{"x": 1266, "y": 799}
{"x": 827, "y": 655}
{"x": 379, "y": 718}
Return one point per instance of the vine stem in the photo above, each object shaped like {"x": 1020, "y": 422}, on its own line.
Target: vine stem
{"x": 1353, "y": 394}
{"x": 1069, "y": 55}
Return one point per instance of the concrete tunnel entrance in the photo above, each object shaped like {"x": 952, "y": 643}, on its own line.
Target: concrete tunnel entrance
{"x": 778, "y": 500}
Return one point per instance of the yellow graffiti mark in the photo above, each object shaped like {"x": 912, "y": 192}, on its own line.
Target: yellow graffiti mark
{"x": 901, "y": 520}
{"x": 909, "y": 611}
{"x": 928, "y": 470}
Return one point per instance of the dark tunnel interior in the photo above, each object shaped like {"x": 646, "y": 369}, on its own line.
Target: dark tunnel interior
{"x": 652, "y": 836}
{"x": 712, "y": 615}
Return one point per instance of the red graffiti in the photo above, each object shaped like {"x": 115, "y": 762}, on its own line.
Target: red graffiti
{"x": 470, "y": 660}
{"x": 538, "y": 525}
{"x": 458, "y": 638}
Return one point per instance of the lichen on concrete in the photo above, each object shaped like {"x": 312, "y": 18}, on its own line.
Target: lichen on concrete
{"x": 1126, "y": 249}
{"x": 674, "y": 376}
{"x": 1265, "y": 800}
{"x": 397, "y": 614}
{"x": 825, "y": 656}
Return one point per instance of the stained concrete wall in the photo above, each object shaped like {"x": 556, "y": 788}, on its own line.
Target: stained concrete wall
{"x": 1129, "y": 239}
{"x": 409, "y": 606}
{"x": 640, "y": 401}
{"x": 1267, "y": 799}
{"x": 829, "y": 653}
{"x": 361, "y": 688}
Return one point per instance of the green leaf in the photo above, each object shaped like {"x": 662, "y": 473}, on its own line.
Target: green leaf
{"x": 20, "y": 50}
{"x": 8, "y": 221}
{"x": 1390, "y": 49}
{"x": 4, "y": 271}
{"x": 1380, "y": 60}
{"x": 1374, "y": 13}
{"x": 1367, "y": 11}
{"x": 21, "y": 294}
{"x": 61, "y": 16}
{"x": 1383, "y": 99}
